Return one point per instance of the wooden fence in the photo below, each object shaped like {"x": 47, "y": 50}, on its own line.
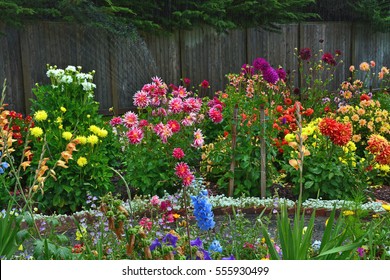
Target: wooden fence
{"x": 123, "y": 65}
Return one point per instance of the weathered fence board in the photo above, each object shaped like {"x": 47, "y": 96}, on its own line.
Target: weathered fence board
{"x": 11, "y": 68}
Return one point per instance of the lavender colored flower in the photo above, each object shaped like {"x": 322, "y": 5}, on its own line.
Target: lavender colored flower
{"x": 325, "y": 100}
{"x": 203, "y": 211}
{"x": 170, "y": 239}
{"x": 206, "y": 255}
{"x": 231, "y": 257}
{"x": 260, "y": 64}
{"x": 155, "y": 243}
{"x": 270, "y": 75}
{"x": 215, "y": 246}
{"x": 197, "y": 242}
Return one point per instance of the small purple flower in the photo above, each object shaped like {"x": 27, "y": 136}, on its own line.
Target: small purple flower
{"x": 170, "y": 239}
{"x": 231, "y": 257}
{"x": 206, "y": 255}
{"x": 360, "y": 251}
{"x": 197, "y": 242}
{"x": 325, "y": 100}
{"x": 155, "y": 243}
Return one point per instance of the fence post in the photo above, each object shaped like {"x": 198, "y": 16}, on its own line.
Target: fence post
{"x": 234, "y": 139}
{"x": 263, "y": 154}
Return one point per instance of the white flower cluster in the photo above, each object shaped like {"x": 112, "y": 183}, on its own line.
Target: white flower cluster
{"x": 70, "y": 75}
{"x": 342, "y": 204}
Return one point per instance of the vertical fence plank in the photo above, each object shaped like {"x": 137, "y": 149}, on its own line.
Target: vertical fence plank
{"x": 165, "y": 50}
{"x": 11, "y": 68}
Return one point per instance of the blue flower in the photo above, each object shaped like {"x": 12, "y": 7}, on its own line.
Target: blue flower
{"x": 155, "y": 243}
{"x": 228, "y": 258}
{"x": 203, "y": 211}
{"x": 170, "y": 239}
{"x": 3, "y": 165}
{"x": 215, "y": 246}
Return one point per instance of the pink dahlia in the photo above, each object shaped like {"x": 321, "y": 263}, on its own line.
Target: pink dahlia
{"x": 182, "y": 169}
{"x": 189, "y": 120}
{"x": 174, "y": 125}
{"x": 163, "y": 131}
{"x": 192, "y": 105}
{"x": 198, "y": 139}
{"x": 115, "y": 121}
{"x": 180, "y": 92}
{"x": 130, "y": 119}
{"x": 135, "y": 135}
{"x": 188, "y": 179}
{"x": 141, "y": 99}
{"x": 215, "y": 115}
{"x": 176, "y": 105}
{"x": 178, "y": 153}
{"x": 143, "y": 123}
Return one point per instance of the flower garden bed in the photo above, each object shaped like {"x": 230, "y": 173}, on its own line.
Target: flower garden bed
{"x": 177, "y": 152}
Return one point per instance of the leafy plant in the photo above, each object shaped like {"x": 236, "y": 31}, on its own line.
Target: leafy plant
{"x": 65, "y": 111}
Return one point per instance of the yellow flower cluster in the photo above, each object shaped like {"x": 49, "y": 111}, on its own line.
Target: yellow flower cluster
{"x": 101, "y": 132}
{"x": 82, "y": 161}
{"x": 67, "y": 135}
{"x": 92, "y": 139}
{"x": 36, "y": 131}
{"x": 40, "y": 115}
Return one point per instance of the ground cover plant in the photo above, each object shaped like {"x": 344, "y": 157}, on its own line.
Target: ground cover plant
{"x": 151, "y": 182}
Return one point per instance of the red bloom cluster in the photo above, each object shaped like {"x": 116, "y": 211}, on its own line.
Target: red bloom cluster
{"x": 183, "y": 171}
{"x": 380, "y": 147}
{"x": 329, "y": 59}
{"x": 305, "y": 53}
{"x": 339, "y": 133}
{"x": 178, "y": 153}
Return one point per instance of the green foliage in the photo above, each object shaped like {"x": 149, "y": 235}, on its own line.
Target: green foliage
{"x": 76, "y": 140}
{"x": 375, "y": 12}
{"x": 123, "y": 17}
{"x": 295, "y": 238}
{"x": 11, "y": 234}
